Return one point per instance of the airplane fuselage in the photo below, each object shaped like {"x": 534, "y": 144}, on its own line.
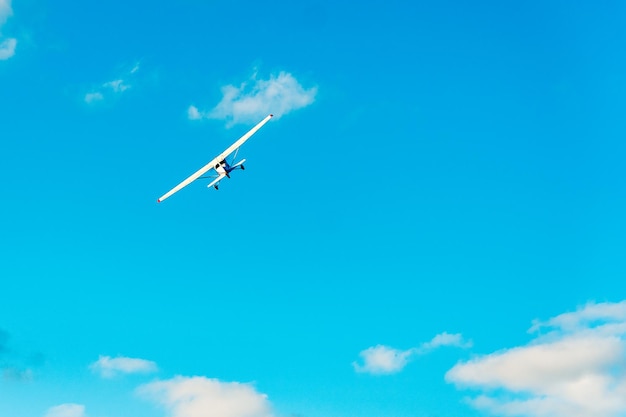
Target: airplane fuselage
{"x": 224, "y": 168}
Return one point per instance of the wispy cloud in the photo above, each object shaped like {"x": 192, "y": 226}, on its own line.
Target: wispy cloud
{"x": 588, "y": 317}
{"x": 7, "y": 46}
{"x": 193, "y": 113}
{"x": 112, "y": 88}
{"x": 256, "y": 98}
{"x": 118, "y": 86}
{"x": 66, "y": 410}
{"x": 382, "y": 359}
{"x": 576, "y": 369}
{"x": 445, "y": 339}
{"x": 91, "y": 97}
{"x": 109, "y": 367}
{"x": 200, "y": 397}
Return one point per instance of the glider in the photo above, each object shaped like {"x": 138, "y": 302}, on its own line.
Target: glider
{"x": 219, "y": 163}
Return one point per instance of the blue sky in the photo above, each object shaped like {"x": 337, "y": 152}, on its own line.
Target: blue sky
{"x": 431, "y": 226}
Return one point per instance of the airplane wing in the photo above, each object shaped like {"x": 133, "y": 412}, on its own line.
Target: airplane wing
{"x": 232, "y": 148}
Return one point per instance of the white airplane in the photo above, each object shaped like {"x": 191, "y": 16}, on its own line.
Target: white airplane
{"x": 219, "y": 164}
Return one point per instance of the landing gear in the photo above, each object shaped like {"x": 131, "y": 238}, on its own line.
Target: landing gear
{"x": 216, "y": 187}
{"x": 242, "y": 167}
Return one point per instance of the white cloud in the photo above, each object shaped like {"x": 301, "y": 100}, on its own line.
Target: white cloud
{"x": 381, "y": 359}
{"x": 255, "y": 99}
{"x": 447, "y": 339}
{"x": 109, "y": 367}
{"x": 66, "y": 410}
{"x": 577, "y": 369}
{"x": 117, "y": 86}
{"x": 7, "y": 46}
{"x": 111, "y": 88}
{"x": 201, "y": 397}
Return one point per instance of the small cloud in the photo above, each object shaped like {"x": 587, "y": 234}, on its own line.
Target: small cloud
{"x": 5, "y": 11}
{"x": 111, "y": 88}
{"x": 117, "y": 86}
{"x": 255, "y": 99}
{"x": 447, "y": 339}
{"x": 577, "y": 369}
{"x": 91, "y": 97}
{"x": 193, "y": 113}
{"x": 66, "y": 410}
{"x": 7, "y": 46}
{"x": 381, "y": 359}
{"x": 109, "y": 367}
{"x": 201, "y": 397}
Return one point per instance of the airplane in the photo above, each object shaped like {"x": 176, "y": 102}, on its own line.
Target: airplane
{"x": 222, "y": 168}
